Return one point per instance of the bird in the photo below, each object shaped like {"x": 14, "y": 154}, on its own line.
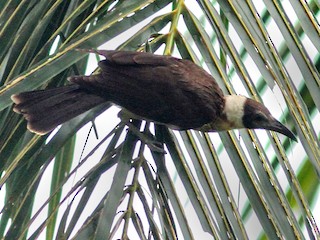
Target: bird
{"x": 164, "y": 89}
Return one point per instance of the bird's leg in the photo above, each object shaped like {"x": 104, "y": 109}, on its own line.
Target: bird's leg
{"x": 146, "y": 137}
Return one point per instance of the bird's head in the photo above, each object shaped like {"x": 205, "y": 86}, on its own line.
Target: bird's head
{"x": 256, "y": 115}
{"x": 242, "y": 112}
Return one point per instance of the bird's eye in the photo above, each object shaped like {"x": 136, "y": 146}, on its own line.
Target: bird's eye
{"x": 260, "y": 117}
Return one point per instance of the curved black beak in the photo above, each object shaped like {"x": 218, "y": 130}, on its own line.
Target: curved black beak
{"x": 277, "y": 126}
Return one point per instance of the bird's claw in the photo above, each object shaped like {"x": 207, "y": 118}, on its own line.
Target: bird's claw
{"x": 154, "y": 145}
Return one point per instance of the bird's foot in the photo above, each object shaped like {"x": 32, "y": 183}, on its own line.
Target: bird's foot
{"x": 147, "y": 138}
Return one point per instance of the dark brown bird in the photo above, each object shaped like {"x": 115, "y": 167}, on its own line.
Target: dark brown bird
{"x": 167, "y": 90}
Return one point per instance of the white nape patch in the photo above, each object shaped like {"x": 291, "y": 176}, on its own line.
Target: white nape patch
{"x": 234, "y": 109}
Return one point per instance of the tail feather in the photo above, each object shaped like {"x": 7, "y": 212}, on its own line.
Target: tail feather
{"x": 46, "y": 109}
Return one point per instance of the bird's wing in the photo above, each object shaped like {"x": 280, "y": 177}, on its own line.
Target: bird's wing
{"x": 134, "y": 58}
{"x": 160, "y": 88}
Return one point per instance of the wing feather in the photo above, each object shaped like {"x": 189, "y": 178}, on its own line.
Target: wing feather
{"x": 159, "y": 88}
{"x": 134, "y": 58}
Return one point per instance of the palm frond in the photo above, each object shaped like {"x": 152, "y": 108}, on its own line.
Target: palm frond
{"x": 141, "y": 180}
